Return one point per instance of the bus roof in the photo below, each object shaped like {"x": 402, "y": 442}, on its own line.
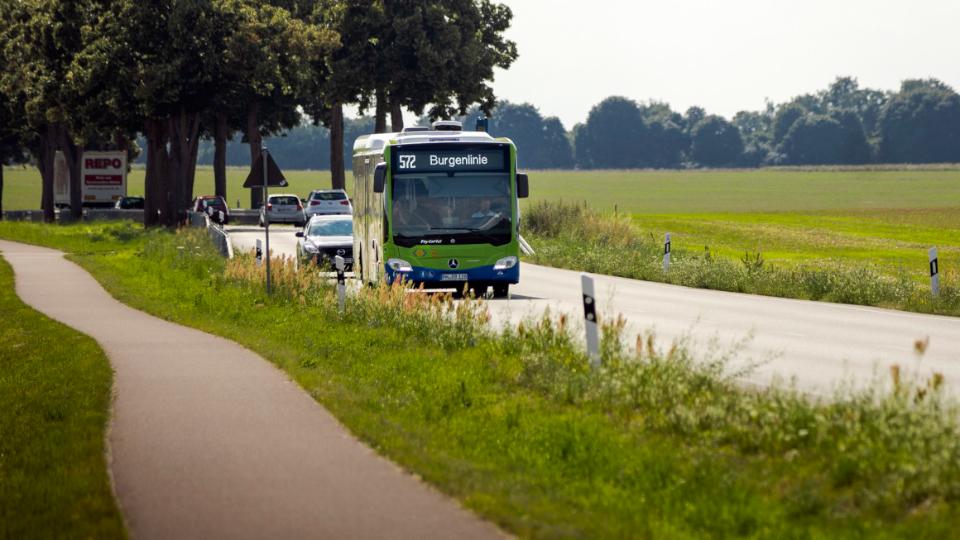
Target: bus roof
{"x": 377, "y": 141}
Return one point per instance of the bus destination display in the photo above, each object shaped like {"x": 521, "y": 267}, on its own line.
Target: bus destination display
{"x": 468, "y": 159}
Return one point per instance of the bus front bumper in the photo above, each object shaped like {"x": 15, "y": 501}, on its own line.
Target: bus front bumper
{"x": 433, "y": 278}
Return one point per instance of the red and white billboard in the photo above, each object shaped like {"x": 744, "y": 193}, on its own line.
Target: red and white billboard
{"x": 104, "y": 176}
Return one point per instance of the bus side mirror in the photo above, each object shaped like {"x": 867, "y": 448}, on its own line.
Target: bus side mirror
{"x": 379, "y": 178}
{"x": 523, "y": 186}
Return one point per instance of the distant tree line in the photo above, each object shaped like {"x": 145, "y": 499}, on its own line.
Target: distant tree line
{"x": 841, "y": 125}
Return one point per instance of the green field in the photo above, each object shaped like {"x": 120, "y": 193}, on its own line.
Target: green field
{"x": 886, "y": 218}
{"x": 22, "y": 185}
{"x": 643, "y": 192}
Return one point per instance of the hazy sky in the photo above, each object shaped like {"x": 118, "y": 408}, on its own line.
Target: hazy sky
{"x": 724, "y": 55}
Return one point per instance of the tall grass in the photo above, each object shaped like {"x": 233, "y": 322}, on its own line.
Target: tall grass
{"x": 573, "y": 236}
{"x": 885, "y": 455}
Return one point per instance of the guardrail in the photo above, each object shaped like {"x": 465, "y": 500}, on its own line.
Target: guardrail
{"x": 525, "y": 247}
{"x": 219, "y": 236}
{"x": 23, "y": 215}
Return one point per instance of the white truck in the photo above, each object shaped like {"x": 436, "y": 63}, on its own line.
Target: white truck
{"x": 104, "y": 177}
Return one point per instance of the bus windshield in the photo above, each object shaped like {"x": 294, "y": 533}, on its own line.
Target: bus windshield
{"x": 448, "y": 208}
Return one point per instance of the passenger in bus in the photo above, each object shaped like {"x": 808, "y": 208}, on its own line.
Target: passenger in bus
{"x": 485, "y": 210}
{"x": 407, "y": 215}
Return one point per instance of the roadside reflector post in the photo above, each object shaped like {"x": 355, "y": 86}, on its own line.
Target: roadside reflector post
{"x": 934, "y": 272}
{"x": 666, "y": 253}
{"x": 590, "y": 320}
{"x": 259, "y": 253}
{"x": 340, "y": 264}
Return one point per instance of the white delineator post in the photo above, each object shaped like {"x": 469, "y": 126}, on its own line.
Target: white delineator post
{"x": 259, "y": 253}
{"x": 590, "y": 320}
{"x": 666, "y": 253}
{"x": 340, "y": 264}
{"x": 934, "y": 272}
{"x": 266, "y": 215}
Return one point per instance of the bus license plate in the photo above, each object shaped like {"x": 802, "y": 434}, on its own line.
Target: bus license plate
{"x": 454, "y": 277}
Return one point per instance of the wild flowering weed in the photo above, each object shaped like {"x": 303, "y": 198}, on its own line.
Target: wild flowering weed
{"x": 445, "y": 322}
{"x": 883, "y": 450}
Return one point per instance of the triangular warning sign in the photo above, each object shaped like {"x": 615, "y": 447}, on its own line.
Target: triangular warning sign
{"x": 274, "y": 175}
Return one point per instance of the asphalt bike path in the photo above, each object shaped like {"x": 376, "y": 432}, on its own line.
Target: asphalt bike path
{"x": 209, "y": 440}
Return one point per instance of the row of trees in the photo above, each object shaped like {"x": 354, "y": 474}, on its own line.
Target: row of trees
{"x": 544, "y": 142}
{"x": 843, "y": 124}
{"x": 92, "y": 74}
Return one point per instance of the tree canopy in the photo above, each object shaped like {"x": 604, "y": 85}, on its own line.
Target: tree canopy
{"x": 94, "y": 73}
{"x": 921, "y": 124}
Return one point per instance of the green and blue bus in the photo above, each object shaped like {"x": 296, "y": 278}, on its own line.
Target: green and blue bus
{"x": 438, "y": 208}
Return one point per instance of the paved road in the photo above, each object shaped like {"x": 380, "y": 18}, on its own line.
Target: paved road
{"x": 283, "y": 240}
{"x": 208, "y": 440}
{"x": 817, "y": 343}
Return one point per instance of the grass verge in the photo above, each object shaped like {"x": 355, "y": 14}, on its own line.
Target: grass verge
{"x": 54, "y": 402}
{"x": 579, "y": 238}
{"x": 657, "y": 444}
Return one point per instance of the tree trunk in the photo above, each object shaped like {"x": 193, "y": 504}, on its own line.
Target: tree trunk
{"x": 396, "y": 116}
{"x": 220, "y": 156}
{"x": 76, "y": 186}
{"x": 74, "y": 158}
{"x": 1, "y": 191}
{"x": 155, "y": 192}
{"x": 184, "y": 130}
{"x": 256, "y": 143}
{"x": 381, "y": 123}
{"x": 191, "y": 165}
{"x": 337, "y": 173}
{"x": 48, "y": 148}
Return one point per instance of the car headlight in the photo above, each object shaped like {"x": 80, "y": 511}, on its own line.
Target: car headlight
{"x": 308, "y": 246}
{"x": 505, "y": 263}
{"x": 399, "y": 265}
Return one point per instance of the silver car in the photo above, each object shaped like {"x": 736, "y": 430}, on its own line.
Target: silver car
{"x": 328, "y": 201}
{"x": 283, "y": 208}
{"x": 325, "y": 237}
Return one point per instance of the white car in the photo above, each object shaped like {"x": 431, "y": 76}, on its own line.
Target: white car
{"x": 283, "y": 208}
{"x": 325, "y": 237}
{"x": 328, "y": 201}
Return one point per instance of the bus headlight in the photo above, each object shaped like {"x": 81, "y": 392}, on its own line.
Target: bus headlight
{"x": 399, "y": 265}
{"x": 505, "y": 263}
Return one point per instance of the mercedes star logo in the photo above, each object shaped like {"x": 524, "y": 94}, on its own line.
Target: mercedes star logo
{"x": 453, "y": 263}
{"x": 341, "y": 251}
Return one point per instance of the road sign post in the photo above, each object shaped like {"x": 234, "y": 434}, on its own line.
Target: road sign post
{"x": 266, "y": 215}
{"x": 666, "y": 253}
{"x": 934, "y": 272}
{"x": 265, "y": 172}
{"x": 590, "y": 320}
